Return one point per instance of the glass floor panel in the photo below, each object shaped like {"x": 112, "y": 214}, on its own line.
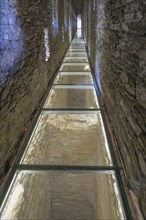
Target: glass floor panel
{"x": 63, "y": 196}
{"x": 75, "y": 54}
{"x": 77, "y": 45}
{"x": 76, "y": 59}
{"x": 68, "y": 139}
{"x": 75, "y": 67}
{"x": 72, "y": 97}
{"x": 76, "y": 50}
{"x": 77, "y": 40}
{"x": 73, "y": 79}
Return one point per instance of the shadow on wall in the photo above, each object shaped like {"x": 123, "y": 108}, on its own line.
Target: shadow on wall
{"x": 11, "y": 40}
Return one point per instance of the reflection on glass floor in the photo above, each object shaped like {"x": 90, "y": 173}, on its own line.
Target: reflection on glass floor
{"x": 75, "y": 54}
{"x": 75, "y": 40}
{"x": 73, "y": 78}
{"x": 63, "y": 196}
{"x": 76, "y": 139}
{"x": 76, "y": 60}
{"x": 76, "y": 50}
{"x": 77, "y": 45}
{"x": 69, "y": 132}
{"x": 72, "y": 97}
{"x": 75, "y": 67}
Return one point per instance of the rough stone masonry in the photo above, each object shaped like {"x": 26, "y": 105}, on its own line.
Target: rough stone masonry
{"x": 115, "y": 33}
{"x": 34, "y": 37}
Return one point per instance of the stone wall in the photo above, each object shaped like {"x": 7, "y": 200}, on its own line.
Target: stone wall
{"x": 115, "y": 33}
{"x": 34, "y": 37}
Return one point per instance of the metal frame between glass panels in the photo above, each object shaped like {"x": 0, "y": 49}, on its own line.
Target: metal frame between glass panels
{"x": 69, "y": 168}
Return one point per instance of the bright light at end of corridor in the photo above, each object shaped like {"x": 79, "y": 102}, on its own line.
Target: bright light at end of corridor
{"x": 79, "y": 21}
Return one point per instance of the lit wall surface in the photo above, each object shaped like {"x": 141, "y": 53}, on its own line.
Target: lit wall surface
{"x": 11, "y": 39}
{"x": 34, "y": 36}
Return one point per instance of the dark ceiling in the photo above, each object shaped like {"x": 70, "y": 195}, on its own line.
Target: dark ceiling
{"x": 78, "y": 5}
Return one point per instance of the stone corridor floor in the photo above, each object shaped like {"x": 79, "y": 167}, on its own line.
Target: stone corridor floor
{"x": 54, "y": 179}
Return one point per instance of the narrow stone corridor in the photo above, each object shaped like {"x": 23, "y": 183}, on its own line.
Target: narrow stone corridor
{"x": 73, "y": 109}
{"x": 66, "y": 170}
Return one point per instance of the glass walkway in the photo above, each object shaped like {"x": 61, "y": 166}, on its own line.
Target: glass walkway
{"x": 66, "y": 169}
